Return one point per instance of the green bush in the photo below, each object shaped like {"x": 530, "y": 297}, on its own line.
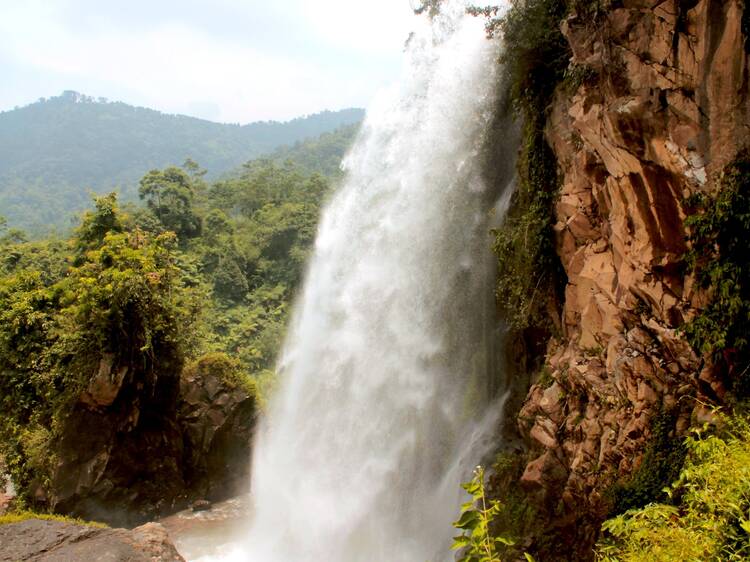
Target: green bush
{"x": 710, "y": 516}
{"x": 476, "y": 543}
{"x": 225, "y": 368}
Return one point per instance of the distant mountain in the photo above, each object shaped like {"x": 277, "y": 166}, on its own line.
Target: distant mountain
{"x": 55, "y": 152}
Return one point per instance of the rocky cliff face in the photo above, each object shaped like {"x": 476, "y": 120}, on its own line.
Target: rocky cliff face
{"x": 134, "y": 448}
{"x": 662, "y": 109}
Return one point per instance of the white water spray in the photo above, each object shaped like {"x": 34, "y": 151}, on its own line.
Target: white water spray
{"x": 384, "y": 387}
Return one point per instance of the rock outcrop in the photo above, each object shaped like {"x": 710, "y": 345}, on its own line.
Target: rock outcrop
{"x": 664, "y": 107}
{"x": 56, "y": 541}
{"x": 135, "y": 448}
{"x": 217, "y": 422}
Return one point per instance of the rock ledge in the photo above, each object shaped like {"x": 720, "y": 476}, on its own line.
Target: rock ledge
{"x": 56, "y": 541}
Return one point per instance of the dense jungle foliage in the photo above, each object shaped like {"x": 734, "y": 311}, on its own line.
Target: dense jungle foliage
{"x": 200, "y": 274}
{"x": 55, "y": 152}
{"x": 706, "y": 513}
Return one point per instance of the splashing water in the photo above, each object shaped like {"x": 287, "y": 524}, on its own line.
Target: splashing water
{"x": 386, "y": 370}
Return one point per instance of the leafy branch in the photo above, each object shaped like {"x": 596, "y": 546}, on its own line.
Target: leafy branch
{"x": 476, "y": 541}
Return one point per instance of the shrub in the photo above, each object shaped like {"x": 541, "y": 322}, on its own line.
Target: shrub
{"x": 475, "y": 542}
{"x": 710, "y": 516}
{"x": 225, "y": 368}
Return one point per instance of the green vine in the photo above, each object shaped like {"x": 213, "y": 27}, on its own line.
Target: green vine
{"x": 535, "y": 61}
{"x": 718, "y": 256}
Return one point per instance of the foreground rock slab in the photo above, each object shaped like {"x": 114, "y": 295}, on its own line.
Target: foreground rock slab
{"x": 56, "y": 541}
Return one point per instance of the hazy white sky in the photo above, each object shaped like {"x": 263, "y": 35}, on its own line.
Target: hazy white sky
{"x": 224, "y": 60}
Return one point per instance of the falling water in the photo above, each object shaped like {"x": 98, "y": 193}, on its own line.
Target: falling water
{"x": 386, "y": 370}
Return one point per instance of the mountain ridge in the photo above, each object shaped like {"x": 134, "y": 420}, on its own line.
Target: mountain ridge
{"x": 55, "y": 152}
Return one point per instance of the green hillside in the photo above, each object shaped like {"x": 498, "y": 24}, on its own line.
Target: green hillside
{"x": 322, "y": 154}
{"x": 55, "y": 152}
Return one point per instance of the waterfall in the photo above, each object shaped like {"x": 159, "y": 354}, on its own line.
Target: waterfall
{"x": 383, "y": 405}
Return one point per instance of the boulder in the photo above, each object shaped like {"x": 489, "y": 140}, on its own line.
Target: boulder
{"x": 216, "y": 419}
{"x": 57, "y": 541}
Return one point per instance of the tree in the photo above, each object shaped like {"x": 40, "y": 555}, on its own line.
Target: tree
{"x": 9, "y": 236}
{"x": 229, "y": 280}
{"x": 96, "y": 224}
{"x": 169, "y": 194}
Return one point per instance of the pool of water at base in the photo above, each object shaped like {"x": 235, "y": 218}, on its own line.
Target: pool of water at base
{"x": 213, "y": 535}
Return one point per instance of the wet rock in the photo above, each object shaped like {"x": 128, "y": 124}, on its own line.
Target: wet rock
{"x": 200, "y": 505}
{"x": 217, "y": 422}
{"x": 141, "y": 445}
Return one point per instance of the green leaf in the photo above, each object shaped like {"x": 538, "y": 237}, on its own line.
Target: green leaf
{"x": 472, "y": 487}
{"x": 460, "y": 542}
{"x": 468, "y": 521}
{"x": 467, "y": 506}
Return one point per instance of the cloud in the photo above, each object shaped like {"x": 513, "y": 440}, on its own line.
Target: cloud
{"x": 308, "y": 56}
{"x": 372, "y": 27}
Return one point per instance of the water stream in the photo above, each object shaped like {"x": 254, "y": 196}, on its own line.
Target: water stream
{"x": 385, "y": 401}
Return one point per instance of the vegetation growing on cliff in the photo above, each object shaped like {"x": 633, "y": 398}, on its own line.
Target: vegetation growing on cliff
{"x": 660, "y": 466}
{"x": 120, "y": 296}
{"x": 535, "y": 59}
{"x": 530, "y": 276}
{"x": 719, "y": 231}
{"x": 708, "y": 517}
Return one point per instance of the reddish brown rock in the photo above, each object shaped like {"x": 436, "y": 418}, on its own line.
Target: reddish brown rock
{"x": 104, "y": 387}
{"x": 667, "y": 110}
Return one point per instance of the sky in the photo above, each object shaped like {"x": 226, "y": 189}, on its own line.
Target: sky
{"x": 233, "y": 61}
